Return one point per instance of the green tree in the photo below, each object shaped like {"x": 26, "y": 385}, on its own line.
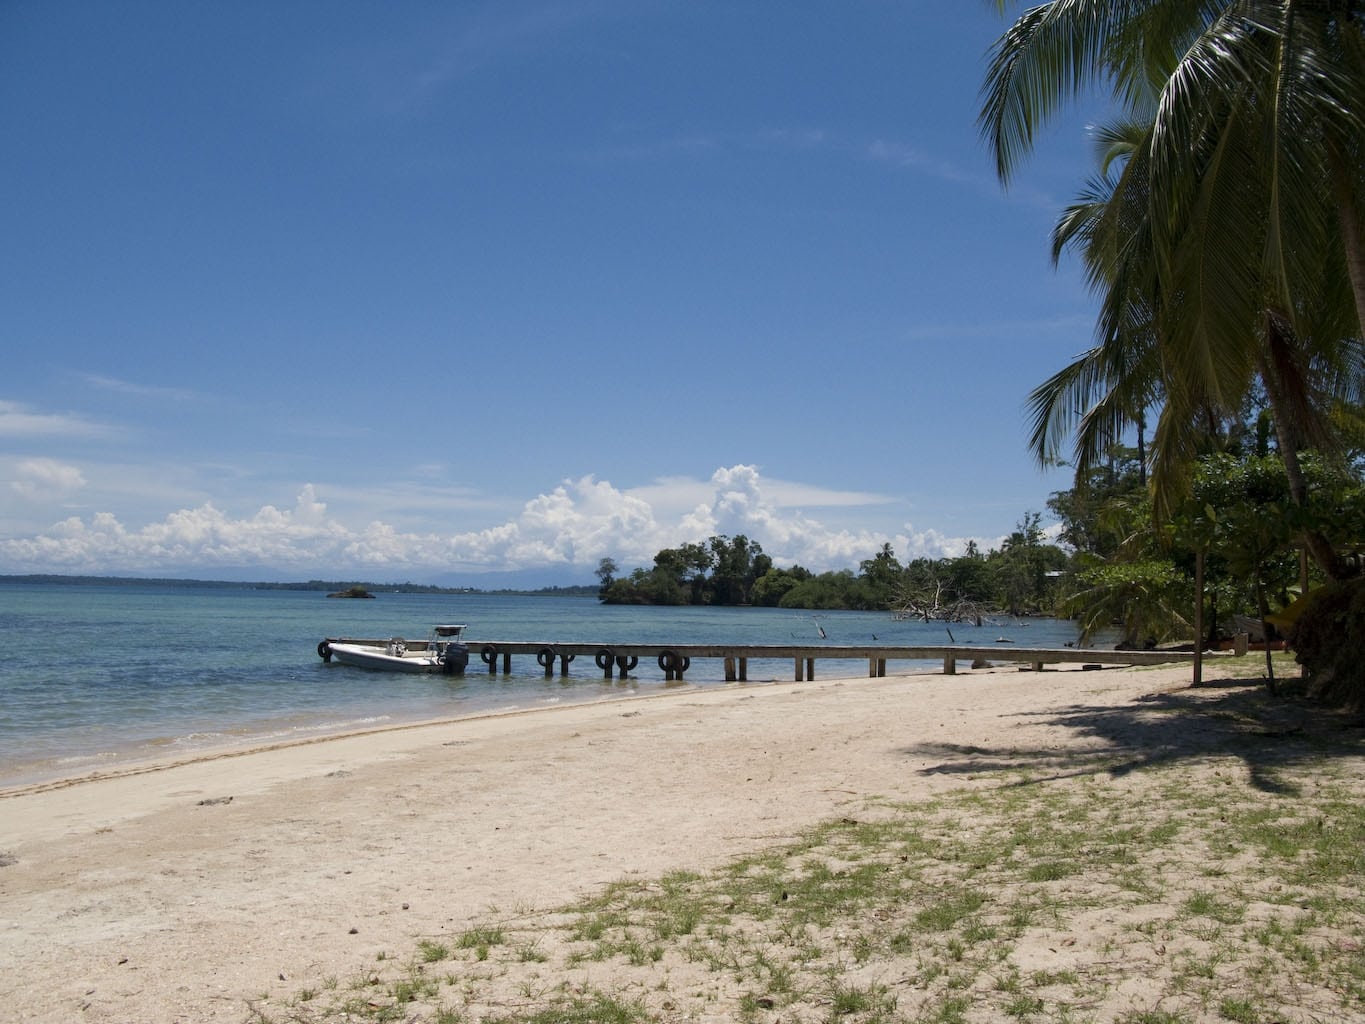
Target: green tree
{"x": 1145, "y": 597}
{"x": 606, "y": 575}
{"x": 881, "y": 577}
{"x": 968, "y": 576}
{"x": 1248, "y": 507}
{"x": 1105, "y": 506}
{"x": 687, "y": 565}
{"x": 775, "y": 584}
{"x": 828, "y": 590}
{"x": 738, "y": 562}
{"x": 1022, "y": 565}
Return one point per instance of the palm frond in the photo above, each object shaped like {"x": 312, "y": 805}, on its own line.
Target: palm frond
{"x": 1047, "y": 57}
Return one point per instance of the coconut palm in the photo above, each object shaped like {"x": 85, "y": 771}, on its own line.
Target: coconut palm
{"x": 1282, "y": 79}
{"x": 1110, "y": 387}
{"x": 1228, "y": 248}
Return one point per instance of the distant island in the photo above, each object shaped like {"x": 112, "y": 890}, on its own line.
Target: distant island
{"x": 357, "y": 592}
{"x": 340, "y": 588}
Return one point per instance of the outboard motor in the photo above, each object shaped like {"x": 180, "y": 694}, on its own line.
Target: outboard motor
{"x": 456, "y": 659}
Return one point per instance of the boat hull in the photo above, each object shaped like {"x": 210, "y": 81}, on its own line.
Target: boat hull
{"x": 444, "y": 652}
{"x": 378, "y": 660}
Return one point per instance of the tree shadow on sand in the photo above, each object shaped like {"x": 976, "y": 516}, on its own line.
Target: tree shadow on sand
{"x": 1225, "y": 718}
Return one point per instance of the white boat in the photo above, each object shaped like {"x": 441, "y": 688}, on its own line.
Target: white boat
{"x": 444, "y": 652}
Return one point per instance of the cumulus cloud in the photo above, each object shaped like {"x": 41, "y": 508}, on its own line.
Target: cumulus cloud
{"x": 571, "y": 526}
{"x": 933, "y": 544}
{"x": 202, "y": 536}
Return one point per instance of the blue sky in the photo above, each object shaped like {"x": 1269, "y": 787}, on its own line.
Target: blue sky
{"x": 433, "y": 291}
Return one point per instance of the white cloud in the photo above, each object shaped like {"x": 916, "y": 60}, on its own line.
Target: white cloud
{"x": 572, "y": 526}
{"x": 124, "y": 387}
{"x": 901, "y": 155}
{"x": 45, "y": 480}
{"x": 677, "y": 494}
{"x": 17, "y": 421}
{"x": 908, "y": 157}
{"x": 933, "y": 544}
{"x": 452, "y": 49}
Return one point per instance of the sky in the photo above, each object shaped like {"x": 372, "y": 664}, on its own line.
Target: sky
{"x": 477, "y": 292}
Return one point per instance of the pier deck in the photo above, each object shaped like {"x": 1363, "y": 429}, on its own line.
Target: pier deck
{"x": 675, "y": 659}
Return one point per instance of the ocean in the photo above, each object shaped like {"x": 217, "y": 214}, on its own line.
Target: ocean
{"x": 97, "y": 676}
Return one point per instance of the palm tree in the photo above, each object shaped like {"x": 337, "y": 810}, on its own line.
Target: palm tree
{"x": 1110, "y": 387}
{"x": 1291, "y": 73}
{"x": 1228, "y": 250}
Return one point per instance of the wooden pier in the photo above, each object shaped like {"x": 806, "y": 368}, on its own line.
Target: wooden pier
{"x": 674, "y": 660}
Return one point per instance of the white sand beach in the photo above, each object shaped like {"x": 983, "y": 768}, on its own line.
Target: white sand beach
{"x": 191, "y": 891}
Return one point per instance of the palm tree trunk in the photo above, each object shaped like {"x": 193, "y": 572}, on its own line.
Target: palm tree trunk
{"x": 1198, "y": 679}
{"x": 1263, "y": 607}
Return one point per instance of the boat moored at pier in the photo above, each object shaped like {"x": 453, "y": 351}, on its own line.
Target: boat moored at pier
{"x": 443, "y": 652}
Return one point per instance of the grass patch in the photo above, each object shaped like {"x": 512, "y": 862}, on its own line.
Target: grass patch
{"x": 432, "y": 952}
{"x": 598, "y": 1008}
{"x": 948, "y": 913}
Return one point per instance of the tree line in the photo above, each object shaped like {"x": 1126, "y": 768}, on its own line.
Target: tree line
{"x": 1022, "y": 577}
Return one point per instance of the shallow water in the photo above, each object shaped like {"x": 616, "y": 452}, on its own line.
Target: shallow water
{"x": 98, "y": 675}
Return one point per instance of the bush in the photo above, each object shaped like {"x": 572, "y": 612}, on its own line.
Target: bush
{"x": 1328, "y": 639}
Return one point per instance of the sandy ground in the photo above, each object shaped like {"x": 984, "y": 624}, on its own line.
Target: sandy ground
{"x": 178, "y": 892}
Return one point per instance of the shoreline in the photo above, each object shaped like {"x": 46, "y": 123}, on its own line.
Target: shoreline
{"x": 221, "y": 750}
{"x": 225, "y": 751}
{"x": 309, "y": 859}
{"x": 130, "y": 760}
{"x": 22, "y": 773}
{"x": 137, "y": 754}
{"x": 124, "y": 764}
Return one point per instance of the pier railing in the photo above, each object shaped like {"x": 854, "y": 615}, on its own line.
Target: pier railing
{"x": 675, "y": 659}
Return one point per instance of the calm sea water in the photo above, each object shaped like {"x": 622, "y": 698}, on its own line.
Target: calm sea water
{"x": 97, "y": 675}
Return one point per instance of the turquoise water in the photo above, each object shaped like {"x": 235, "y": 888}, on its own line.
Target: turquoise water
{"x": 97, "y": 675}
